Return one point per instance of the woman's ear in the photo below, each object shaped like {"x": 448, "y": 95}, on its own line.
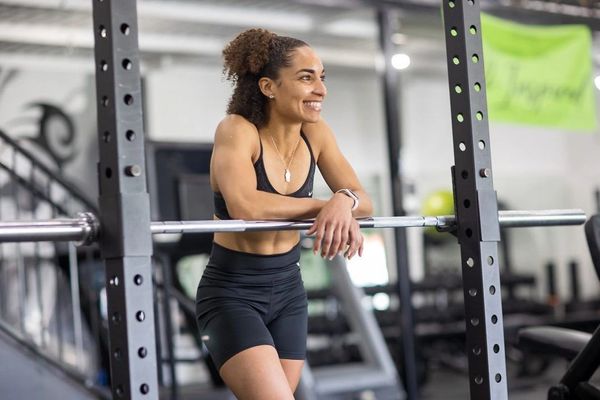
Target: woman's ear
{"x": 266, "y": 84}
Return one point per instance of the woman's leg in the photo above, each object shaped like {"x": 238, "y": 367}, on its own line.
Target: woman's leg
{"x": 289, "y": 329}
{"x": 257, "y": 374}
{"x": 292, "y": 370}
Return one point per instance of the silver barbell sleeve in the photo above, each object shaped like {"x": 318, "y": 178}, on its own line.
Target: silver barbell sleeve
{"x": 522, "y": 219}
{"x": 85, "y": 228}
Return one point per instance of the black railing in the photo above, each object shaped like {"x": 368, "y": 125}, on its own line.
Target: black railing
{"x": 73, "y": 191}
{"x": 47, "y": 294}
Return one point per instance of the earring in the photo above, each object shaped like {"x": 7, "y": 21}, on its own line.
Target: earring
{"x": 271, "y": 96}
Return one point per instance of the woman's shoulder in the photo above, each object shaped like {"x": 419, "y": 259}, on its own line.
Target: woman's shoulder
{"x": 318, "y": 134}
{"x": 235, "y": 122}
{"x": 237, "y": 127}
{"x": 235, "y": 130}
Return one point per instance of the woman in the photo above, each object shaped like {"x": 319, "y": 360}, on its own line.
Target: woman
{"x": 251, "y": 304}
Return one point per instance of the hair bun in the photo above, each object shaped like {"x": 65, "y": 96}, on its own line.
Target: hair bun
{"x": 247, "y": 53}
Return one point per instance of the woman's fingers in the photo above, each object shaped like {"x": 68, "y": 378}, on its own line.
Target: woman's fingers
{"x": 340, "y": 238}
{"x": 352, "y": 247}
{"x": 319, "y": 232}
{"x": 329, "y": 231}
{"x": 336, "y": 233}
{"x": 354, "y": 242}
{"x": 360, "y": 248}
{"x": 333, "y": 245}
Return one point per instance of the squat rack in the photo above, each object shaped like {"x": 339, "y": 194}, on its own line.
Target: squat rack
{"x": 124, "y": 206}
{"x": 126, "y": 230}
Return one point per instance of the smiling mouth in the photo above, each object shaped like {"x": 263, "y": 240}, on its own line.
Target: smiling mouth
{"x": 313, "y": 105}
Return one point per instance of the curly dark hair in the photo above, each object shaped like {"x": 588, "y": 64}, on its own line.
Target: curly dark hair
{"x": 254, "y": 54}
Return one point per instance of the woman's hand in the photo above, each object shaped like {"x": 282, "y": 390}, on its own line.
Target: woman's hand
{"x": 335, "y": 228}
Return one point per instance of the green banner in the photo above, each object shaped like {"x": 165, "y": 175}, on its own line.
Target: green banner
{"x": 539, "y": 75}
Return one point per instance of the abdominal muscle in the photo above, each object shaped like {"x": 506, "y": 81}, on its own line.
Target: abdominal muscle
{"x": 264, "y": 243}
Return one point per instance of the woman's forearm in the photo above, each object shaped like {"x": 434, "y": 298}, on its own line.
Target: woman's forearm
{"x": 264, "y": 205}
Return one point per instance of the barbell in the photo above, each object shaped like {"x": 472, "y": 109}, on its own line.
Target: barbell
{"x": 84, "y": 229}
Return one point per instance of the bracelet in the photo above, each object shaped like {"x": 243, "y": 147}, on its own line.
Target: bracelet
{"x": 352, "y": 195}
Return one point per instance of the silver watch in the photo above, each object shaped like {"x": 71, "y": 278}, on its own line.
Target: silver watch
{"x": 352, "y": 195}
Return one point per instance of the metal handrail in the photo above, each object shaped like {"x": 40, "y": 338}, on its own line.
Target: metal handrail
{"x": 32, "y": 188}
{"x": 72, "y": 189}
{"x": 69, "y": 199}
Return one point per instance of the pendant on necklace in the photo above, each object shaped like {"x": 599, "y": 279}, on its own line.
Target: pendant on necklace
{"x": 287, "y": 176}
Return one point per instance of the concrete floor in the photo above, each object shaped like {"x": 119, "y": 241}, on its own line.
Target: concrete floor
{"x": 443, "y": 384}
{"x": 452, "y": 385}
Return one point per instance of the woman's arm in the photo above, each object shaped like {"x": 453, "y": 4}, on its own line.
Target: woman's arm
{"x": 335, "y": 226}
{"x": 233, "y": 172}
{"x": 336, "y": 170}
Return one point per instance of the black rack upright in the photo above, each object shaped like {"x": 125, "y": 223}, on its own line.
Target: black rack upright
{"x": 125, "y": 237}
{"x": 475, "y": 200}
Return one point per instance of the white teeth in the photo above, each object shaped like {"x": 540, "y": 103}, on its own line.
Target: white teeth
{"x": 315, "y": 105}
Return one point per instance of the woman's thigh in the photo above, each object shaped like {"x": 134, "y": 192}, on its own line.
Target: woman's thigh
{"x": 293, "y": 371}
{"x": 257, "y": 374}
{"x": 230, "y": 327}
{"x": 289, "y": 326}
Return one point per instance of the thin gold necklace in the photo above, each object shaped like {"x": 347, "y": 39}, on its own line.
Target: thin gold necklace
{"x": 287, "y": 175}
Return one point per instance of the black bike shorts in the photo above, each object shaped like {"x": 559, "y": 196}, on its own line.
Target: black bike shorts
{"x": 246, "y": 300}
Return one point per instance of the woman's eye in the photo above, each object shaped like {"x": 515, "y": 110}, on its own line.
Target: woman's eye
{"x": 323, "y": 78}
{"x": 306, "y": 78}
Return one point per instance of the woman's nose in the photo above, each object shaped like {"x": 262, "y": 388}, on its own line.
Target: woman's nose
{"x": 320, "y": 88}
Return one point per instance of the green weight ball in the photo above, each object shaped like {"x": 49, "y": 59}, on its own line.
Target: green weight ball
{"x": 440, "y": 202}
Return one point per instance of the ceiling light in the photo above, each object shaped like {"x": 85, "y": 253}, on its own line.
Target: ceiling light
{"x": 400, "y": 61}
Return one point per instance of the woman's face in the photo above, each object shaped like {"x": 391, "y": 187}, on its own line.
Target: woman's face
{"x": 300, "y": 89}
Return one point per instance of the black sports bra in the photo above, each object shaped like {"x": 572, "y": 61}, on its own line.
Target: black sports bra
{"x": 263, "y": 184}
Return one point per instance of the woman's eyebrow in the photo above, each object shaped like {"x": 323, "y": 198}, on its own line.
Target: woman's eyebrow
{"x": 310, "y": 71}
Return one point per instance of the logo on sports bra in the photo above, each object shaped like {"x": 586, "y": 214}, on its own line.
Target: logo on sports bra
{"x": 205, "y": 338}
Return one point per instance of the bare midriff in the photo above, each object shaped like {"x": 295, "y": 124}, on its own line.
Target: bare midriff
{"x": 275, "y": 242}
